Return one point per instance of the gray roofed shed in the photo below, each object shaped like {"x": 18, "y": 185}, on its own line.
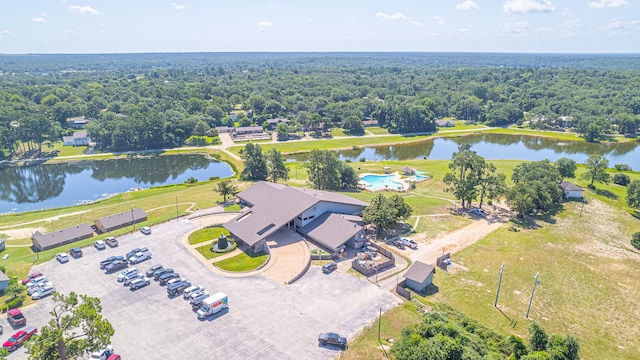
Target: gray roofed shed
{"x": 419, "y": 276}
{"x": 54, "y": 239}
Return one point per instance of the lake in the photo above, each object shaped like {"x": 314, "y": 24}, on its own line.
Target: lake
{"x": 29, "y": 188}
{"x": 498, "y": 147}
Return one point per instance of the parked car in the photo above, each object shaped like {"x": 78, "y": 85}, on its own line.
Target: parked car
{"x": 329, "y": 267}
{"x": 114, "y": 357}
{"x": 332, "y": 339}
{"x": 102, "y": 354}
{"x": 153, "y": 269}
{"x": 197, "y": 297}
{"x": 139, "y": 283}
{"x": 75, "y": 253}
{"x": 127, "y": 281}
{"x": 140, "y": 257}
{"x": 166, "y": 277}
{"x": 478, "y": 212}
{"x": 398, "y": 243}
{"x": 16, "y": 318}
{"x": 132, "y": 252}
{"x": 116, "y": 265}
{"x": 104, "y": 263}
{"x": 191, "y": 289}
{"x": 145, "y": 230}
{"x": 177, "y": 287}
{"x": 159, "y": 273}
{"x": 31, "y": 276}
{"x": 100, "y": 245}
{"x": 62, "y": 257}
{"x": 44, "y": 291}
{"x": 36, "y": 288}
{"x": 174, "y": 280}
{"x": 410, "y": 243}
{"x": 19, "y": 338}
{"x": 130, "y": 272}
{"x": 36, "y": 281}
{"x": 111, "y": 241}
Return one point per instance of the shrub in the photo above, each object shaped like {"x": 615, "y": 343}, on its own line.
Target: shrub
{"x": 622, "y": 167}
{"x": 621, "y": 179}
{"x": 214, "y": 178}
{"x": 635, "y": 240}
{"x": 15, "y": 303}
{"x": 3, "y": 269}
{"x": 347, "y": 160}
{"x": 191, "y": 180}
{"x": 362, "y": 159}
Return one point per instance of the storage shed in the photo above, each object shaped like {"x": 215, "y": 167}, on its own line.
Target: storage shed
{"x": 419, "y": 276}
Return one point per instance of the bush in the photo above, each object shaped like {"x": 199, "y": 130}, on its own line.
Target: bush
{"x": 622, "y": 167}
{"x": 15, "y": 303}
{"x": 362, "y": 159}
{"x": 191, "y": 180}
{"x": 214, "y": 178}
{"x": 621, "y": 179}
{"x": 635, "y": 240}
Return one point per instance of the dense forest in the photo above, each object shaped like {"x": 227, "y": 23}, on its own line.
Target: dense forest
{"x": 148, "y": 101}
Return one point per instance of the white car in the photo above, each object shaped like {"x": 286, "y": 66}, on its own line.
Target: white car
{"x": 62, "y": 257}
{"x": 100, "y": 245}
{"x": 479, "y": 212}
{"x": 37, "y": 287}
{"x": 129, "y": 273}
{"x": 36, "y": 281}
{"x": 102, "y": 354}
{"x": 145, "y": 230}
{"x": 139, "y": 282}
{"x": 44, "y": 291}
{"x": 191, "y": 289}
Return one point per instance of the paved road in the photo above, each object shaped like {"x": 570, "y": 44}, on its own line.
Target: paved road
{"x": 266, "y": 319}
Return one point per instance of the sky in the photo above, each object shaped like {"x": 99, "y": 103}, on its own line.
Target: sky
{"x": 140, "y": 26}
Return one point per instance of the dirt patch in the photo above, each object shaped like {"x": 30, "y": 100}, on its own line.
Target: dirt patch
{"x": 24, "y": 233}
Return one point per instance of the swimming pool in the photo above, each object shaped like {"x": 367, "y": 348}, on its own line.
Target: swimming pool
{"x": 421, "y": 175}
{"x": 377, "y": 182}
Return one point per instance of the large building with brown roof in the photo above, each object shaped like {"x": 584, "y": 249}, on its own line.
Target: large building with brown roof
{"x": 325, "y": 218}
{"x": 42, "y": 242}
{"x": 117, "y": 221}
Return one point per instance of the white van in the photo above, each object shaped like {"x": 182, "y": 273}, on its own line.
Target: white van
{"x": 127, "y": 274}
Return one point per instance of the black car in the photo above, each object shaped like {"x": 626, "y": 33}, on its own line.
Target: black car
{"x": 166, "y": 277}
{"x": 116, "y": 265}
{"x": 332, "y": 339}
{"x": 109, "y": 260}
{"x": 176, "y": 288}
{"x": 153, "y": 269}
{"x": 75, "y": 252}
{"x": 158, "y": 273}
{"x": 329, "y": 267}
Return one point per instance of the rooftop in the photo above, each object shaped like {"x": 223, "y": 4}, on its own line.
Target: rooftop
{"x": 419, "y": 272}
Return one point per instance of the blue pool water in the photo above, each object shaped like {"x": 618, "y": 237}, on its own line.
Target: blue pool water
{"x": 420, "y": 175}
{"x": 377, "y": 182}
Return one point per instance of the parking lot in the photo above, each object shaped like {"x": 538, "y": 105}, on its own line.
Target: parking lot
{"x": 265, "y": 320}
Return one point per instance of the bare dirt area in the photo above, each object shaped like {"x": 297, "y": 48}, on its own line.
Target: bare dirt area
{"x": 23, "y": 233}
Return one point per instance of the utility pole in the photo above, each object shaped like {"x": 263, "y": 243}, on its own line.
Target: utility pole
{"x": 176, "y": 208}
{"x": 535, "y": 283}
{"x": 379, "y": 322}
{"x": 495, "y": 304}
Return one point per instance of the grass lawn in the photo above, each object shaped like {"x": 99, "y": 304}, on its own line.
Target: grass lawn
{"x": 376, "y": 130}
{"x": 245, "y": 261}
{"x": 205, "y": 250}
{"x": 433, "y": 227}
{"x": 232, "y": 208}
{"x": 206, "y": 234}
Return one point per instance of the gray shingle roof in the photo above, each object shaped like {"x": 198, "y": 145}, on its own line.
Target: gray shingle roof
{"x": 419, "y": 272}
{"x": 3, "y": 276}
{"x": 122, "y": 219}
{"x": 567, "y": 186}
{"x": 62, "y": 236}
{"x": 331, "y": 230}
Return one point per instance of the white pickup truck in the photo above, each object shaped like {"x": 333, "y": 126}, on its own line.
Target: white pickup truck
{"x": 140, "y": 257}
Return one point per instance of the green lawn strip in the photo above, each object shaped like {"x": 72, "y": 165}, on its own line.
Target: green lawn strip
{"x": 434, "y": 227}
{"x": 209, "y": 233}
{"x": 366, "y": 346}
{"x": 377, "y": 130}
{"x": 205, "y": 250}
{"x": 232, "y": 208}
{"x": 245, "y": 261}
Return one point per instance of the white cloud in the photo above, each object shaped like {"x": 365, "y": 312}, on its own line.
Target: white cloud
{"x": 604, "y": 4}
{"x": 572, "y": 23}
{"x": 623, "y": 28}
{"x": 350, "y": 17}
{"x": 178, "y": 6}
{"x": 467, "y": 5}
{"x": 5, "y": 32}
{"x": 69, "y": 31}
{"x": 84, "y": 9}
{"x": 440, "y": 21}
{"x": 417, "y": 23}
{"x": 39, "y": 19}
{"x": 516, "y": 27}
{"x": 395, "y": 16}
{"x": 528, "y": 6}
{"x": 464, "y": 30}
{"x": 264, "y": 25}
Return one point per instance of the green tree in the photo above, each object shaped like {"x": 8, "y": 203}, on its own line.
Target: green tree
{"x": 518, "y": 347}
{"x": 77, "y": 328}
{"x": 398, "y": 203}
{"x": 520, "y": 198}
{"x": 225, "y": 188}
{"x": 491, "y": 183}
{"x": 596, "y": 170}
{"x": 276, "y": 169}
{"x": 538, "y": 337}
{"x": 540, "y": 182}
{"x": 566, "y": 167}
{"x": 324, "y": 168}
{"x": 282, "y": 130}
{"x": 385, "y": 212}
{"x": 635, "y": 240}
{"x": 353, "y": 125}
{"x": 255, "y": 167}
{"x": 563, "y": 347}
{"x": 14, "y": 289}
{"x": 621, "y": 179}
{"x": 463, "y": 178}
{"x": 633, "y": 194}
{"x": 348, "y": 176}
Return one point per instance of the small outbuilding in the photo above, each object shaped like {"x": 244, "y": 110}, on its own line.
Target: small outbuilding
{"x": 419, "y": 276}
{"x": 445, "y": 123}
{"x": 571, "y": 191}
{"x": 407, "y": 171}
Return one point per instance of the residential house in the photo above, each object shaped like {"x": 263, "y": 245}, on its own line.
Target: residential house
{"x": 42, "y": 242}
{"x": 445, "y": 123}
{"x": 117, "y": 221}
{"x": 249, "y": 133}
{"x": 419, "y": 276}
{"x": 79, "y": 138}
{"x": 273, "y": 123}
{"x": 369, "y": 122}
{"x": 565, "y": 121}
{"x": 4, "y": 281}
{"x": 78, "y": 122}
{"x": 571, "y": 191}
{"x": 323, "y": 217}
{"x": 224, "y": 129}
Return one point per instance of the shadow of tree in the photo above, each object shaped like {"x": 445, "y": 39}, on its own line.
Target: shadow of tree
{"x": 605, "y": 193}
{"x": 532, "y": 221}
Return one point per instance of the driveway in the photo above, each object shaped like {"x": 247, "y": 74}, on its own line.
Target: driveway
{"x": 266, "y": 319}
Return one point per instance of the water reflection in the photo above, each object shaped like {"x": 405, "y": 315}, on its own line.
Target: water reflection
{"x": 55, "y": 185}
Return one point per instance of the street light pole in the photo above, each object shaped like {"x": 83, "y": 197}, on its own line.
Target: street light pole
{"x": 535, "y": 283}
{"x": 495, "y": 304}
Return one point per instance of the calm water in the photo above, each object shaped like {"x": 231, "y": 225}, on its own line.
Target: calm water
{"x": 500, "y": 147}
{"x": 57, "y": 185}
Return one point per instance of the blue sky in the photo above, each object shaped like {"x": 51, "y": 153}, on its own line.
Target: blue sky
{"x": 125, "y": 26}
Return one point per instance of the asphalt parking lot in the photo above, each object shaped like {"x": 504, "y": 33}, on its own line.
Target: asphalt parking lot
{"x": 265, "y": 320}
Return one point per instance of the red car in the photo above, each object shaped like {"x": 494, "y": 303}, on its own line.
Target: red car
{"x": 16, "y": 318}
{"x": 19, "y": 338}
{"x": 31, "y": 276}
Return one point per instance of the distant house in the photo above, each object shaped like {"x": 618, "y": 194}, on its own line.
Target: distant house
{"x": 42, "y": 242}
{"x": 79, "y": 138}
{"x": 120, "y": 220}
{"x": 78, "y": 122}
{"x": 445, "y": 123}
{"x": 273, "y": 123}
{"x": 4, "y": 281}
{"x": 249, "y": 133}
{"x": 571, "y": 191}
{"x": 565, "y": 121}
{"x": 369, "y": 122}
{"x": 419, "y": 276}
{"x": 224, "y": 129}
